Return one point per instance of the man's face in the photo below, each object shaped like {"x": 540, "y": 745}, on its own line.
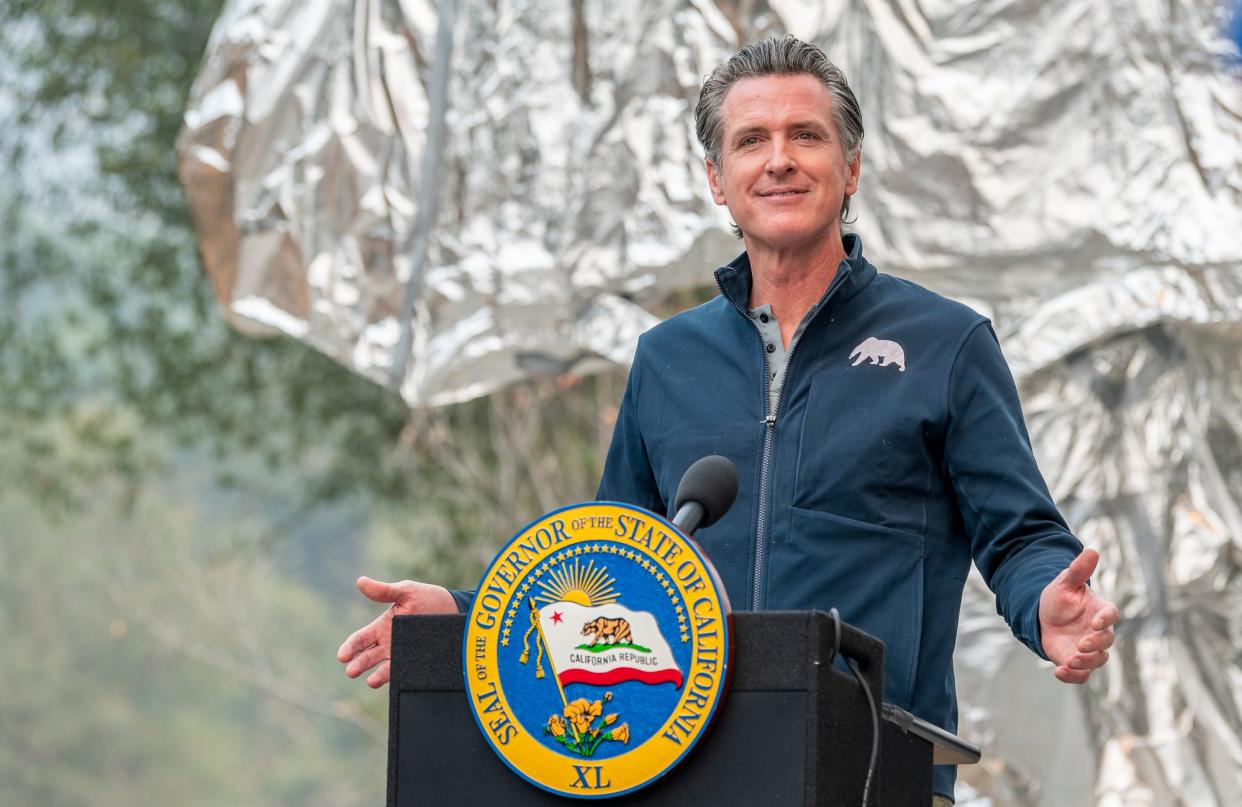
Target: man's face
{"x": 783, "y": 173}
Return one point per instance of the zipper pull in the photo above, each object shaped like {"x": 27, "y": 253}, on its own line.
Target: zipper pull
{"x": 770, "y": 420}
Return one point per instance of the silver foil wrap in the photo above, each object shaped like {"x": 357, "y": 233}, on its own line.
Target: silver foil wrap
{"x": 1073, "y": 168}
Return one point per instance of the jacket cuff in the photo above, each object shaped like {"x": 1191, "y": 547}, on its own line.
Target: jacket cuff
{"x": 463, "y": 598}
{"x": 1023, "y": 585}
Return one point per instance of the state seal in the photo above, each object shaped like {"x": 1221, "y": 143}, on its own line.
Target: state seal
{"x": 597, "y": 651}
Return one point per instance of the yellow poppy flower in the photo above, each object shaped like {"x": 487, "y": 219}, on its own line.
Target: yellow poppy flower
{"x": 579, "y": 714}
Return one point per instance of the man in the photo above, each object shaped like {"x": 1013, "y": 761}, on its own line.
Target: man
{"x": 876, "y": 428}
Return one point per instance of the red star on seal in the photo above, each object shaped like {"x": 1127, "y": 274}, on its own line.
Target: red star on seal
{"x": 556, "y": 617}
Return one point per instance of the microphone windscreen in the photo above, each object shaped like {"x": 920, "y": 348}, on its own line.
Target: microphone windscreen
{"x": 712, "y": 482}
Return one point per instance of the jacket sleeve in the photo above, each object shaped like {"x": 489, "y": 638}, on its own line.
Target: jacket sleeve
{"x": 628, "y": 476}
{"x": 627, "y": 473}
{"x": 1018, "y": 538}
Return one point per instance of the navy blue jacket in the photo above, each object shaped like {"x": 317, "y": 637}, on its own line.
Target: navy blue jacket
{"x": 885, "y": 468}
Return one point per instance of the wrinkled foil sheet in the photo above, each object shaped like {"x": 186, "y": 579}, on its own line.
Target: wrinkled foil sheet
{"x": 1072, "y": 168}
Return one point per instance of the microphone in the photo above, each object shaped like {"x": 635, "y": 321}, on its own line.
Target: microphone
{"x": 705, "y": 493}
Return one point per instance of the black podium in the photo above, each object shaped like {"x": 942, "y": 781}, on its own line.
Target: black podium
{"x": 795, "y": 730}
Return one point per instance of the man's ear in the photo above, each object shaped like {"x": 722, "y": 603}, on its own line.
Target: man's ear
{"x": 713, "y": 182}
{"x": 851, "y": 185}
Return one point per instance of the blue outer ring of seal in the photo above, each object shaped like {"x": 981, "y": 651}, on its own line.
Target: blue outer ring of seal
{"x": 725, "y": 675}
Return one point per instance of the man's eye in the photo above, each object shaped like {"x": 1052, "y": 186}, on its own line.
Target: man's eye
{"x": 749, "y": 141}
{"x": 807, "y": 136}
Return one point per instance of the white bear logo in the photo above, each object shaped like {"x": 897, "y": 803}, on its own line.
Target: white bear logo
{"x": 881, "y": 352}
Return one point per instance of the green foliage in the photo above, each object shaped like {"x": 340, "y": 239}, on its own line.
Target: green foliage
{"x": 167, "y": 640}
{"x": 133, "y": 675}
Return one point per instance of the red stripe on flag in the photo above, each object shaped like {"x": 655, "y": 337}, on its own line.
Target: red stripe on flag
{"x": 619, "y": 675}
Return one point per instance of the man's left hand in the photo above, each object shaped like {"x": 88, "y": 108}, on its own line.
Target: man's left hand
{"x": 1076, "y": 623}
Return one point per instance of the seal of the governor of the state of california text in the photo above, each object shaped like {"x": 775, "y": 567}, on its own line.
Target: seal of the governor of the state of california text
{"x": 597, "y": 650}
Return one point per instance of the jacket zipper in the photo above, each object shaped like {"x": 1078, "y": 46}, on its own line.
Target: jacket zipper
{"x": 769, "y": 433}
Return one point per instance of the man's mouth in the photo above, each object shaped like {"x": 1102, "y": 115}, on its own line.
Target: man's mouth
{"x": 781, "y": 193}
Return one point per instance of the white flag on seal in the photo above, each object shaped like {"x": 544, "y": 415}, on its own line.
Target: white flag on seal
{"x": 606, "y": 644}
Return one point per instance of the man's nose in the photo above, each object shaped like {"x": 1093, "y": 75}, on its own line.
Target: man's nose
{"x": 780, "y": 161}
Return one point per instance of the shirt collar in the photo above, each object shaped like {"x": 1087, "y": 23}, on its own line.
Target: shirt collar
{"x": 734, "y": 278}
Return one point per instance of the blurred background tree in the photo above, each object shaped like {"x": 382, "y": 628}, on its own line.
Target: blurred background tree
{"x": 184, "y": 509}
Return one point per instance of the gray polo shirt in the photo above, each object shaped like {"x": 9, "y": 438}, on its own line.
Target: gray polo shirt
{"x": 774, "y": 347}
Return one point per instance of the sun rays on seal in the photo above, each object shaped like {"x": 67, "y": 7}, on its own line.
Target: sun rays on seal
{"x": 589, "y": 585}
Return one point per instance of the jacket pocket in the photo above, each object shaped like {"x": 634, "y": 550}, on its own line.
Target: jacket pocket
{"x": 872, "y": 575}
{"x": 865, "y": 451}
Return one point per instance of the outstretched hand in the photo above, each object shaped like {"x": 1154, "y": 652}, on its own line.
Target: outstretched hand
{"x": 372, "y": 645}
{"x": 1076, "y": 623}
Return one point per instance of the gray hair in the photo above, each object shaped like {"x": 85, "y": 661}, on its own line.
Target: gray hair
{"x": 778, "y": 56}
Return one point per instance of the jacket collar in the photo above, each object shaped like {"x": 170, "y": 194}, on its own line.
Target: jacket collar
{"x": 854, "y": 273}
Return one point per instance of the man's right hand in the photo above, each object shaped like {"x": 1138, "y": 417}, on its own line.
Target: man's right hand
{"x": 372, "y": 645}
